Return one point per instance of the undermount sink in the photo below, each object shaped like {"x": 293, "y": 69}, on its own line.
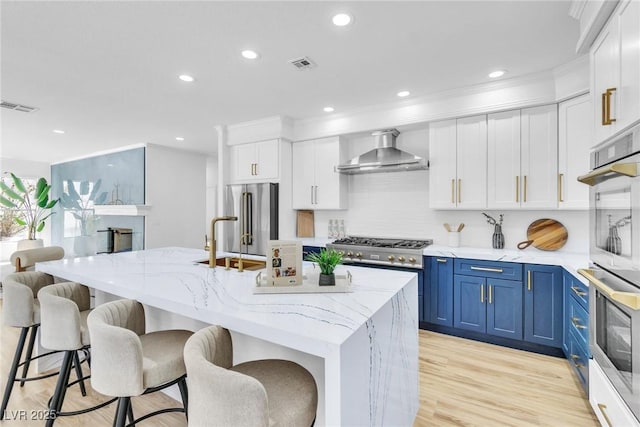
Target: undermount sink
{"x": 247, "y": 264}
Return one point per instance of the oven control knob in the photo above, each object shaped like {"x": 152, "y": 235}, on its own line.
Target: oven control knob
{"x": 349, "y": 254}
{"x": 412, "y": 260}
{"x": 391, "y": 258}
{"x": 401, "y": 258}
{"x": 358, "y": 254}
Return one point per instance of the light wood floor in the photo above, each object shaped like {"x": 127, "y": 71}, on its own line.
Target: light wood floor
{"x": 462, "y": 383}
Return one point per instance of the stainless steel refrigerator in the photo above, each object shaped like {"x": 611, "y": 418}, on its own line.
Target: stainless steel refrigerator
{"x": 256, "y": 206}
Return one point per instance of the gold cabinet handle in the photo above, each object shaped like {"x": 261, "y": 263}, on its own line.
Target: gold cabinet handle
{"x": 560, "y": 177}
{"x": 603, "y": 411}
{"x": 529, "y": 280}
{"x": 490, "y": 289}
{"x": 608, "y": 94}
{"x": 256, "y": 168}
{"x": 441, "y": 260}
{"x": 453, "y": 190}
{"x": 459, "y": 190}
{"x": 517, "y": 189}
{"x": 628, "y": 299}
{"x": 578, "y": 291}
{"x": 489, "y": 269}
{"x": 524, "y": 190}
{"x": 626, "y": 169}
{"x": 576, "y": 323}
{"x": 481, "y": 294}
{"x": 604, "y": 109}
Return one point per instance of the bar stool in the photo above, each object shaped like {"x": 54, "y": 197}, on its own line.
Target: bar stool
{"x": 64, "y": 308}
{"x": 127, "y": 362}
{"x": 21, "y": 309}
{"x": 27, "y": 258}
{"x": 257, "y": 393}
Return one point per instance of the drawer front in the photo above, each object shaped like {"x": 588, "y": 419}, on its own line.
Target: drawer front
{"x": 494, "y": 269}
{"x": 606, "y": 402}
{"x": 579, "y": 359}
{"x": 579, "y": 321}
{"x": 579, "y": 290}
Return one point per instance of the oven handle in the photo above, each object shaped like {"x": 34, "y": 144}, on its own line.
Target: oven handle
{"x": 627, "y": 169}
{"x": 628, "y": 299}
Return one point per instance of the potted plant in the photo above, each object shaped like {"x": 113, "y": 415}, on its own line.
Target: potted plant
{"x": 327, "y": 260}
{"x": 32, "y": 203}
{"x": 81, "y": 203}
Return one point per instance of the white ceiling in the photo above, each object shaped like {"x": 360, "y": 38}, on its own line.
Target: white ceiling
{"x": 106, "y": 72}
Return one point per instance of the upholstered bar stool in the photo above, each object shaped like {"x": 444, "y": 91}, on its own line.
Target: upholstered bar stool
{"x": 21, "y": 309}
{"x": 127, "y": 362}
{"x": 257, "y": 393}
{"x": 64, "y": 308}
{"x": 27, "y": 258}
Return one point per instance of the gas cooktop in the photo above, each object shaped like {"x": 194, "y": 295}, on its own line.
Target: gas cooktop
{"x": 380, "y": 251}
{"x": 383, "y": 242}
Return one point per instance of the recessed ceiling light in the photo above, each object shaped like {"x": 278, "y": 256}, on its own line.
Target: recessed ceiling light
{"x": 58, "y": 131}
{"x": 179, "y": 138}
{"x": 328, "y": 109}
{"x": 250, "y": 54}
{"x": 186, "y": 78}
{"x": 496, "y": 74}
{"x": 341, "y": 19}
{"x": 404, "y": 93}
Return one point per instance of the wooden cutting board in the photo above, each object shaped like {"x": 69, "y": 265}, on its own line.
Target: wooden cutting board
{"x": 545, "y": 234}
{"x": 305, "y": 224}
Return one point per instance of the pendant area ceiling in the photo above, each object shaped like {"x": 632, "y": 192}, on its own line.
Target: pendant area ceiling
{"x": 107, "y": 72}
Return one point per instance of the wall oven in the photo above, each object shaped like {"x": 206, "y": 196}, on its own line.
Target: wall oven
{"x": 614, "y": 291}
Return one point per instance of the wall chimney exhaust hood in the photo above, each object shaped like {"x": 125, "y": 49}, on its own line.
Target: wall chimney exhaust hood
{"x": 385, "y": 158}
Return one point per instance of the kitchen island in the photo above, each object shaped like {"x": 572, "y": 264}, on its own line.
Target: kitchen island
{"x": 361, "y": 347}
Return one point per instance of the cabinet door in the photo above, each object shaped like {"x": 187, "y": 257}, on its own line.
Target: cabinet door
{"x": 504, "y": 308}
{"x": 330, "y": 191}
{"x": 503, "y": 162}
{"x": 543, "y": 305}
{"x": 243, "y": 158}
{"x": 267, "y": 159}
{"x": 628, "y": 92}
{"x": 539, "y": 161}
{"x": 575, "y": 132}
{"x": 605, "y": 62}
{"x": 442, "y": 160}
{"x": 303, "y": 171}
{"x": 441, "y": 291}
{"x": 471, "y": 185}
{"x": 469, "y": 311}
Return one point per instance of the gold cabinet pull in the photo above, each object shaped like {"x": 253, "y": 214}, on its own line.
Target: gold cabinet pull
{"x": 576, "y": 323}
{"x": 489, "y": 269}
{"x": 604, "y": 109}
{"x": 256, "y": 168}
{"x": 490, "y": 286}
{"x": 560, "y": 178}
{"x": 626, "y": 169}
{"x": 524, "y": 190}
{"x": 481, "y": 294}
{"x": 441, "y": 260}
{"x": 453, "y": 190}
{"x": 628, "y": 299}
{"x": 517, "y": 189}
{"x": 608, "y": 93}
{"x": 603, "y": 411}
{"x": 578, "y": 291}
{"x": 459, "y": 190}
{"x": 529, "y": 280}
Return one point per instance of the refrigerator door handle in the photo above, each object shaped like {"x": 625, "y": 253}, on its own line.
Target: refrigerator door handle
{"x": 247, "y": 226}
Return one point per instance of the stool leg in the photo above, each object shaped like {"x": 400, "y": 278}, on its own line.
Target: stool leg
{"x": 27, "y": 359}
{"x": 184, "y": 393}
{"x": 130, "y": 415}
{"x": 61, "y": 387}
{"x": 121, "y": 412}
{"x": 12, "y": 372}
{"x": 76, "y": 363}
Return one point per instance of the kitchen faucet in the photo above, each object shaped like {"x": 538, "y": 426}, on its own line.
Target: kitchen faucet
{"x": 212, "y": 246}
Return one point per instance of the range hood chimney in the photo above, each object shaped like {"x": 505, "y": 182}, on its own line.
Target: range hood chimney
{"x": 385, "y": 158}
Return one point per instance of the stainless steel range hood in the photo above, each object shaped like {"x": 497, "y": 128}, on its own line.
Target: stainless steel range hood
{"x": 385, "y": 158}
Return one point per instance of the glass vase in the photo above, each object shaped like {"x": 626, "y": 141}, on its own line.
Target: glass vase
{"x": 498, "y": 237}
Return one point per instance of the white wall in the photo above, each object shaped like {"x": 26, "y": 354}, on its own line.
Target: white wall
{"x": 212, "y": 192}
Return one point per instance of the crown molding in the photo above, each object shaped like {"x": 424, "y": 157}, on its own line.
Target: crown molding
{"x": 260, "y": 130}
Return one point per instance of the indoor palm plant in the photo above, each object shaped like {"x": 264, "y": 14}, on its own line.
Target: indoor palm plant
{"x": 32, "y": 203}
{"x": 327, "y": 260}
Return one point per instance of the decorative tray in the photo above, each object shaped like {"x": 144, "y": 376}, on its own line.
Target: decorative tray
{"x": 343, "y": 284}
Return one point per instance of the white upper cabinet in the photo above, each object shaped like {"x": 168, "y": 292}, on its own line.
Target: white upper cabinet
{"x": 574, "y": 140}
{"x": 615, "y": 72}
{"x": 522, "y": 159}
{"x": 458, "y": 163}
{"x": 315, "y": 183}
{"x": 255, "y": 162}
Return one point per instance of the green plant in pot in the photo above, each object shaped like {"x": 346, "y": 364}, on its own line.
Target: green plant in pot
{"x": 32, "y": 203}
{"x": 327, "y": 260}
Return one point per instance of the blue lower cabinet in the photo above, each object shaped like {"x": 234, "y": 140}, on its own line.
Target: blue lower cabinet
{"x": 504, "y": 308}
{"x": 543, "y": 305}
{"x": 469, "y": 310}
{"x": 439, "y": 292}
{"x": 306, "y": 250}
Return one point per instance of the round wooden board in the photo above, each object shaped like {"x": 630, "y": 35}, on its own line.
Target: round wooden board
{"x": 547, "y": 234}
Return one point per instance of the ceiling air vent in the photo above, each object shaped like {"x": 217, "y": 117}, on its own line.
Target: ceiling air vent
{"x": 17, "y": 107}
{"x": 303, "y": 63}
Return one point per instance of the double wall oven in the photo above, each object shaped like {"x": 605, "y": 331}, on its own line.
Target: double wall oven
{"x": 614, "y": 291}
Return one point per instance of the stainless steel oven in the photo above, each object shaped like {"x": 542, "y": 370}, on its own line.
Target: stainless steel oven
{"x": 614, "y": 250}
